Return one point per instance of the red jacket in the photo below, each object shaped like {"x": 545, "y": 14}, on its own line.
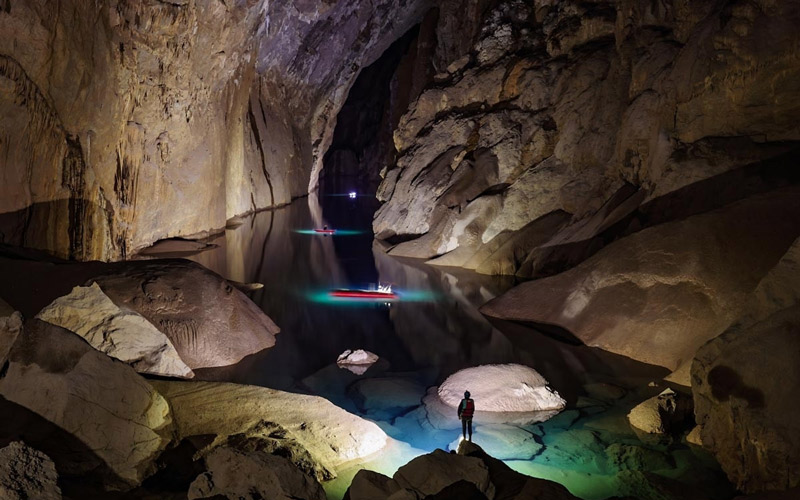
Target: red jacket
{"x": 466, "y": 409}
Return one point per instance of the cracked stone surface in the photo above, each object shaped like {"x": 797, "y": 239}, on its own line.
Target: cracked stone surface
{"x": 117, "y": 424}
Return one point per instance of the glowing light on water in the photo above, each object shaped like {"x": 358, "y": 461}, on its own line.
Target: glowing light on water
{"x": 339, "y": 232}
{"x": 325, "y": 297}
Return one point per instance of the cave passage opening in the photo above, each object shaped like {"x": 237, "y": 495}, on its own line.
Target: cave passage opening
{"x": 362, "y": 144}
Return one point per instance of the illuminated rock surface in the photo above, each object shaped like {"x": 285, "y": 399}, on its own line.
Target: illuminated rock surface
{"x": 572, "y": 124}
{"x": 331, "y": 435}
{"x": 253, "y": 476}
{"x": 27, "y": 473}
{"x": 659, "y": 294}
{"x": 208, "y": 320}
{"x": 56, "y": 383}
{"x": 126, "y": 336}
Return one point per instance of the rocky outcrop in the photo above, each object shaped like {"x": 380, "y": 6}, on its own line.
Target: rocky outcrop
{"x": 10, "y": 326}
{"x": 570, "y": 124}
{"x": 331, "y": 435}
{"x": 27, "y": 473}
{"x": 126, "y": 122}
{"x": 126, "y": 336}
{"x": 117, "y": 423}
{"x": 253, "y": 476}
{"x": 659, "y": 294}
{"x": 470, "y": 473}
{"x": 209, "y": 321}
{"x": 743, "y": 383}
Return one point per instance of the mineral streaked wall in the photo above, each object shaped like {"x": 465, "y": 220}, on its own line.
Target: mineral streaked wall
{"x": 563, "y": 106}
{"x": 123, "y": 122}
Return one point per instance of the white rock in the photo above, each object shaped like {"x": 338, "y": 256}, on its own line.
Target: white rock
{"x": 501, "y": 388}
{"x": 357, "y": 361}
{"x": 513, "y": 394}
{"x": 123, "y": 335}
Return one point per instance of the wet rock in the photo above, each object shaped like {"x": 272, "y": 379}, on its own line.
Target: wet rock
{"x": 744, "y": 402}
{"x": 126, "y": 336}
{"x": 369, "y": 485}
{"x": 357, "y": 361}
{"x": 175, "y": 247}
{"x": 631, "y": 457}
{"x": 331, "y": 435}
{"x": 503, "y": 394}
{"x": 659, "y": 294}
{"x": 209, "y": 321}
{"x": 663, "y": 414}
{"x": 118, "y": 423}
{"x": 695, "y": 436}
{"x": 251, "y": 476}
{"x": 575, "y": 449}
{"x": 504, "y": 442}
{"x": 27, "y": 473}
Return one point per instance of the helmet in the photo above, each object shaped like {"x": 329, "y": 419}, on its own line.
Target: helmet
{"x": 466, "y": 394}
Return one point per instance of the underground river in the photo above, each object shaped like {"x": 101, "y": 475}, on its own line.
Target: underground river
{"x": 432, "y": 332}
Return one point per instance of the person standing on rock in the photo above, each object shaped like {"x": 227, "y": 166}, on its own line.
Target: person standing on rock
{"x": 466, "y": 409}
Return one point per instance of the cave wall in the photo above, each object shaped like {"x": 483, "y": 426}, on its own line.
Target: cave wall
{"x": 586, "y": 112}
{"x": 123, "y": 122}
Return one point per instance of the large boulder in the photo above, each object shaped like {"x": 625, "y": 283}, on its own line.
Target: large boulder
{"x": 116, "y": 423}
{"x": 126, "y": 336}
{"x": 744, "y": 385}
{"x": 659, "y": 294}
{"x": 502, "y": 393}
{"x": 253, "y": 476}
{"x": 331, "y": 435}
{"x": 27, "y": 473}
{"x": 208, "y": 320}
{"x": 467, "y": 474}
{"x": 10, "y": 326}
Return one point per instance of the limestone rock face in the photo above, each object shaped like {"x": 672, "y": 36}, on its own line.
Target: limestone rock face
{"x": 253, "y": 476}
{"x": 126, "y": 336}
{"x": 429, "y": 474}
{"x": 745, "y": 404}
{"x": 119, "y": 423}
{"x": 331, "y": 435}
{"x": 209, "y": 321}
{"x": 131, "y": 121}
{"x": 590, "y": 111}
{"x": 27, "y": 473}
{"x": 659, "y": 294}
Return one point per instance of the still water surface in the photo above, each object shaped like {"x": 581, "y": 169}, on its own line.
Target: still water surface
{"x": 422, "y": 341}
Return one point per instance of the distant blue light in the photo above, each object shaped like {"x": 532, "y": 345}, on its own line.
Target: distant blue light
{"x": 352, "y": 195}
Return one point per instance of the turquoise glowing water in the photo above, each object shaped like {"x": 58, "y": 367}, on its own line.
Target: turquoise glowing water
{"x": 433, "y": 330}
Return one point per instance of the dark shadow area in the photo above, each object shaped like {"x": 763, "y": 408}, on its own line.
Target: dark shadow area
{"x": 709, "y": 194}
{"x": 82, "y": 473}
{"x": 553, "y": 331}
{"x": 726, "y": 383}
{"x": 362, "y": 142}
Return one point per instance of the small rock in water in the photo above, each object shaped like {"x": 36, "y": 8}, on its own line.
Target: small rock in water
{"x": 661, "y": 414}
{"x": 357, "y": 361}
